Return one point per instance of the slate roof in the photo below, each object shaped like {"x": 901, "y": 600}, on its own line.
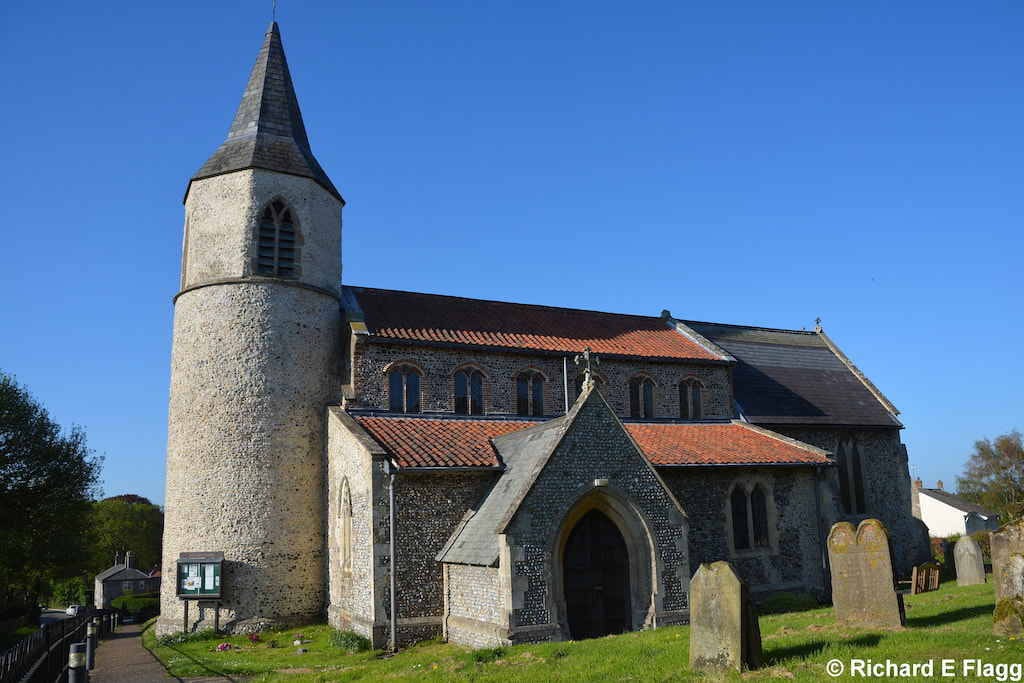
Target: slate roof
{"x": 433, "y": 441}
{"x": 268, "y": 132}
{"x": 958, "y": 503}
{"x": 121, "y": 573}
{"x": 449, "y": 320}
{"x": 797, "y": 378}
{"x": 524, "y": 453}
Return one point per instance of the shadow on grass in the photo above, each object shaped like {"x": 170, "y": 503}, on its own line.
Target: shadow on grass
{"x": 776, "y": 655}
{"x": 207, "y": 670}
{"x": 948, "y": 617}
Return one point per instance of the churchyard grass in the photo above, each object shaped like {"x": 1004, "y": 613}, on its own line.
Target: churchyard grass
{"x": 952, "y": 623}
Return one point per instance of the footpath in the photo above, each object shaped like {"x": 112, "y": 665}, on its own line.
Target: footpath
{"x": 120, "y": 658}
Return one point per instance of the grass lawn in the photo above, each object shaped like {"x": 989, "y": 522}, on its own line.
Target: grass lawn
{"x": 953, "y": 624}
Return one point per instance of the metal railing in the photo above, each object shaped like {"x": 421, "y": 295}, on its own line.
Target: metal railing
{"x": 43, "y": 656}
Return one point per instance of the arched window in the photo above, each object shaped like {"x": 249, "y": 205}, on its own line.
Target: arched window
{"x": 529, "y": 393}
{"x": 740, "y": 534}
{"x": 469, "y": 392}
{"x": 641, "y": 397}
{"x": 276, "y": 244}
{"x": 750, "y": 518}
{"x": 345, "y": 526}
{"x": 851, "y": 477}
{"x": 690, "y": 399}
{"x": 404, "y": 386}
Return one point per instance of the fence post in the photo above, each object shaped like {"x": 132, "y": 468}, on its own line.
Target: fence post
{"x": 76, "y": 664}
{"x": 90, "y": 644}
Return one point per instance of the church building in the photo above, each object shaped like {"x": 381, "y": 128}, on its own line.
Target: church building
{"x": 409, "y": 465}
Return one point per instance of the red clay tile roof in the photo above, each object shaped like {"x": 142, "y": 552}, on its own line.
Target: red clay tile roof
{"x": 453, "y": 320}
{"x": 426, "y": 442}
{"x": 718, "y": 444}
{"x": 447, "y": 442}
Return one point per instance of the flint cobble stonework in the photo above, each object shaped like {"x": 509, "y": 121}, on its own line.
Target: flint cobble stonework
{"x": 793, "y": 564}
{"x": 374, "y": 360}
{"x": 251, "y": 379}
{"x": 886, "y": 483}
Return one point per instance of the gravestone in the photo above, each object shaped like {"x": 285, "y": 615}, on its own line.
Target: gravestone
{"x": 863, "y": 578}
{"x": 724, "y": 633}
{"x": 970, "y": 566}
{"x": 1008, "y": 575}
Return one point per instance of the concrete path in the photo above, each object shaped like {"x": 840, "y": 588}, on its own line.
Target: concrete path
{"x": 120, "y": 658}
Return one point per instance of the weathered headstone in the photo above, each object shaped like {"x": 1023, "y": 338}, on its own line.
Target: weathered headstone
{"x": 970, "y": 566}
{"x": 724, "y": 633}
{"x": 1008, "y": 575}
{"x": 863, "y": 578}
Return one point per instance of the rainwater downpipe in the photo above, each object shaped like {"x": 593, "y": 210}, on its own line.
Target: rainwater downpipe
{"x": 392, "y": 471}
{"x": 565, "y": 381}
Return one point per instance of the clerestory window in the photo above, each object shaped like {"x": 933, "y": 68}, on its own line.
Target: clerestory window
{"x": 276, "y": 247}
{"x": 641, "y": 397}
{"x": 690, "y": 390}
{"x": 404, "y": 389}
{"x": 469, "y": 392}
{"x": 530, "y": 393}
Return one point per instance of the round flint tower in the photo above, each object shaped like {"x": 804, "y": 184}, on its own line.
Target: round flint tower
{"x": 256, "y": 338}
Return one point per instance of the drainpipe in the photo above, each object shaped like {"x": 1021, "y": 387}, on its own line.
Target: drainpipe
{"x": 821, "y": 534}
{"x": 565, "y": 381}
{"x": 391, "y": 470}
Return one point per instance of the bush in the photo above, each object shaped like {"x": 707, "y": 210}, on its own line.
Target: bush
{"x": 780, "y": 603}
{"x": 349, "y": 641}
{"x": 136, "y": 603}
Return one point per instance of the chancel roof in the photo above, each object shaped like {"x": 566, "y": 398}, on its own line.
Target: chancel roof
{"x": 268, "y": 131}
{"x": 797, "y": 377}
{"x": 449, "y": 320}
{"x": 464, "y": 442}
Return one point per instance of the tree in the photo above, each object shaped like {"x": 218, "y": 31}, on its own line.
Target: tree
{"x": 122, "y": 523}
{"x": 994, "y": 476}
{"x": 47, "y": 478}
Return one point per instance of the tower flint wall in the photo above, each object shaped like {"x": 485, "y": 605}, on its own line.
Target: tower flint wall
{"x": 245, "y": 456}
{"x": 253, "y": 370}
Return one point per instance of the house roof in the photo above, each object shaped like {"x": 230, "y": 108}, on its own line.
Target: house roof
{"x": 464, "y": 442}
{"x": 450, "y": 320}
{"x": 268, "y": 131}
{"x": 958, "y": 503}
{"x": 797, "y": 377}
{"x": 121, "y": 573}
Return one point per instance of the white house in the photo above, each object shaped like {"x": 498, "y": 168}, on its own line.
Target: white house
{"x": 946, "y": 514}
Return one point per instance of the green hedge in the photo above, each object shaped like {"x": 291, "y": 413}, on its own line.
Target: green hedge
{"x": 137, "y": 603}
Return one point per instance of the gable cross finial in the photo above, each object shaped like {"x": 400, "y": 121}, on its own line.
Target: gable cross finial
{"x": 586, "y": 359}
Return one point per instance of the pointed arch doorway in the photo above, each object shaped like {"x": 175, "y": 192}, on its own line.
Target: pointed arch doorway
{"x": 596, "y": 578}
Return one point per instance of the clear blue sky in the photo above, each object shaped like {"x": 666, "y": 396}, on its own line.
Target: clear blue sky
{"x": 739, "y": 162}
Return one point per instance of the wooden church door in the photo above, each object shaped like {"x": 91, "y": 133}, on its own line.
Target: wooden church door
{"x": 596, "y": 578}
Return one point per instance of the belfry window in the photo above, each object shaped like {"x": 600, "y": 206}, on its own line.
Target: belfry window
{"x": 690, "y": 399}
{"x": 469, "y": 392}
{"x": 276, "y": 241}
{"x": 641, "y": 397}
{"x": 530, "y": 393}
{"x": 404, "y": 389}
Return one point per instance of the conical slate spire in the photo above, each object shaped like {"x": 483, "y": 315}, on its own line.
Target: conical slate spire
{"x": 268, "y": 132}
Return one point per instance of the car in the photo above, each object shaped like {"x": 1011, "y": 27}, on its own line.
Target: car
{"x": 72, "y": 610}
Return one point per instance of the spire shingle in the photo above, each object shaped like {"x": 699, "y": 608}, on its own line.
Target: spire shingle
{"x": 268, "y": 132}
